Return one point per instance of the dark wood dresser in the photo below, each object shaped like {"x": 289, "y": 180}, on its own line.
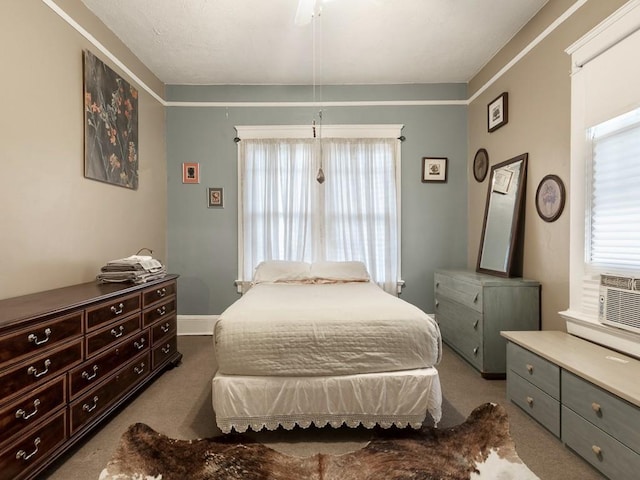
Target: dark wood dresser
{"x": 70, "y": 356}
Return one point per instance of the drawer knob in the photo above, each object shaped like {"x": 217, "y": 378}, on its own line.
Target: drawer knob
{"x": 437, "y": 303}
{"x": 475, "y": 299}
{"x": 596, "y": 408}
{"x": 117, "y": 310}
{"x": 475, "y": 324}
{"x": 34, "y": 371}
{"x": 166, "y": 327}
{"x": 20, "y": 413}
{"x": 475, "y": 351}
{"x": 596, "y": 450}
{"x": 26, "y": 456}
{"x": 161, "y": 292}
{"x": 166, "y": 349}
{"x": 90, "y": 376}
{"x": 117, "y": 333}
{"x": 139, "y": 370}
{"x": 530, "y": 401}
{"x": 33, "y": 338}
{"x": 139, "y": 345}
{"x": 529, "y": 368}
{"x": 90, "y": 408}
{"x": 162, "y": 311}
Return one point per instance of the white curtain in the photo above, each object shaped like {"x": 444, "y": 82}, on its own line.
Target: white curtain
{"x": 276, "y": 185}
{"x": 287, "y": 215}
{"x": 360, "y": 206}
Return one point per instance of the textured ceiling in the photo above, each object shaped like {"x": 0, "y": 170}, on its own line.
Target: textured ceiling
{"x": 351, "y": 42}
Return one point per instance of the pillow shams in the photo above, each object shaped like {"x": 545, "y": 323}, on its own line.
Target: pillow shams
{"x": 282, "y": 271}
{"x": 339, "y": 271}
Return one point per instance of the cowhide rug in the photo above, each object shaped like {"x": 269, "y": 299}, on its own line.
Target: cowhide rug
{"x": 479, "y": 448}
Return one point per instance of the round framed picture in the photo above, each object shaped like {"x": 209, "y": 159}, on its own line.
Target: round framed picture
{"x": 480, "y": 165}
{"x": 550, "y": 198}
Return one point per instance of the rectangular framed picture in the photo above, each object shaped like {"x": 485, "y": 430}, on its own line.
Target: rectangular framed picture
{"x": 502, "y": 181}
{"x": 190, "y": 173}
{"x": 498, "y": 112}
{"x": 215, "y": 197}
{"x": 434, "y": 169}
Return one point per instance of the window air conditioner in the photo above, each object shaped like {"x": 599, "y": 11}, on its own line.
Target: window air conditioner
{"x": 619, "y": 304}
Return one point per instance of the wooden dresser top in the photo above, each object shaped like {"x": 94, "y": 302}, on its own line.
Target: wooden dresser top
{"x": 606, "y": 368}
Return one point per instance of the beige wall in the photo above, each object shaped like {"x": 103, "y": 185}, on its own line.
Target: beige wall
{"x": 56, "y": 227}
{"x": 539, "y": 123}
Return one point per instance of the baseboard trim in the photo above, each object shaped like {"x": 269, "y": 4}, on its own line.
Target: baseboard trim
{"x": 196, "y": 324}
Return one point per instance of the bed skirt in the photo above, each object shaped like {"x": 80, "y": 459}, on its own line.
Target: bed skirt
{"x": 400, "y": 398}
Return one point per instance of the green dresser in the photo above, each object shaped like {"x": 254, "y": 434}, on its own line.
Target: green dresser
{"x": 472, "y": 308}
{"x": 586, "y": 395}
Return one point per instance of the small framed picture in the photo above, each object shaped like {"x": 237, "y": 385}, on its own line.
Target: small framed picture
{"x": 498, "y": 112}
{"x": 215, "y": 197}
{"x": 550, "y": 198}
{"x": 502, "y": 180}
{"x": 190, "y": 173}
{"x": 434, "y": 169}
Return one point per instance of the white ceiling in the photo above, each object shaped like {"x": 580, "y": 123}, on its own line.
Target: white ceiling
{"x": 356, "y": 41}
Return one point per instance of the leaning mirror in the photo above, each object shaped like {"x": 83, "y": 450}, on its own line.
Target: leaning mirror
{"x": 500, "y": 241}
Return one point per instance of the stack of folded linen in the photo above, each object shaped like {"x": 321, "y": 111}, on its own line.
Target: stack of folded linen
{"x": 135, "y": 269}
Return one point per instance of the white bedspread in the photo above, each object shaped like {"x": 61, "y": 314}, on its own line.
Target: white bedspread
{"x": 284, "y": 329}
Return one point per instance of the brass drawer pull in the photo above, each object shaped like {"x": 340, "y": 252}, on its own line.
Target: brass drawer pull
{"x": 24, "y": 456}
{"x": 90, "y": 408}
{"x": 166, "y": 349}
{"x": 33, "y": 338}
{"x": 34, "y": 371}
{"x": 139, "y": 345}
{"x": 530, "y": 368}
{"x": 162, "y": 311}
{"x": 88, "y": 377}
{"x": 596, "y": 450}
{"x": 20, "y": 413}
{"x": 530, "y": 401}
{"x": 117, "y": 333}
{"x": 139, "y": 370}
{"x": 165, "y": 328}
{"x": 117, "y": 310}
{"x": 161, "y": 292}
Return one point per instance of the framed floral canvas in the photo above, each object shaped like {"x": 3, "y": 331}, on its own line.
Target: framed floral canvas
{"x": 110, "y": 125}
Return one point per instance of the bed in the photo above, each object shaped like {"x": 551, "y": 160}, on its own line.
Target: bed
{"x": 321, "y": 344}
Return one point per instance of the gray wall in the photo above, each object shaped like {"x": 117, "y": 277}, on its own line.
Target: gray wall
{"x": 202, "y": 242}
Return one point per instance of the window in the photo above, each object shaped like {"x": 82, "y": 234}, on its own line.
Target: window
{"x": 605, "y": 170}
{"x": 286, "y": 214}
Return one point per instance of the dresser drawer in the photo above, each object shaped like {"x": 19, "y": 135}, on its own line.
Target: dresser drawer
{"x": 165, "y": 309}
{"x": 542, "y": 373}
{"x": 32, "y": 449}
{"x": 598, "y": 448}
{"x": 468, "y": 294}
{"x": 34, "y": 372}
{"x": 606, "y": 411}
{"x": 112, "y": 334}
{"x": 164, "y": 351}
{"x": 32, "y": 408}
{"x": 106, "y": 312}
{"x": 93, "y": 403}
{"x": 158, "y": 293}
{"x": 542, "y": 407}
{"x": 100, "y": 367}
{"x": 16, "y": 345}
{"x": 163, "y": 329}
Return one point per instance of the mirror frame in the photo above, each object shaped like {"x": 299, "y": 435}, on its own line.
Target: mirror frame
{"x": 517, "y": 221}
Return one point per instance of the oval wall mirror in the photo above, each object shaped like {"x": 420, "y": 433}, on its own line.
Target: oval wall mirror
{"x": 501, "y": 228}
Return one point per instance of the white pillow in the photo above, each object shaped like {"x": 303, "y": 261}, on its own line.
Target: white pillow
{"x": 282, "y": 271}
{"x": 340, "y": 271}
